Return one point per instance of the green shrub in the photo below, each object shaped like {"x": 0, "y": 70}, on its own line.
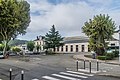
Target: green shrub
{"x": 116, "y": 53}
{"x": 101, "y": 57}
{"x": 109, "y": 56}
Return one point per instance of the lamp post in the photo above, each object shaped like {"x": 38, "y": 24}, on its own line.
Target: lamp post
{"x": 118, "y": 31}
{"x": 119, "y": 44}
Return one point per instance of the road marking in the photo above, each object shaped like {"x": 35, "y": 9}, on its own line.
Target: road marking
{"x": 35, "y": 79}
{"x": 87, "y": 70}
{"x": 66, "y": 77}
{"x": 80, "y": 73}
{"x": 49, "y": 78}
{"x": 74, "y": 75}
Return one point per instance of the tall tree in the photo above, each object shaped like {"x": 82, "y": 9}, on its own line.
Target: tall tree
{"x": 99, "y": 29}
{"x": 38, "y": 47}
{"x": 30, "y": 45}
{"x": 53, "y": 39}
{"x": 14, "y": 19}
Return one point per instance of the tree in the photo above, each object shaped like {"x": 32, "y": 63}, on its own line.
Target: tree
{"x": 30, "y": 45}
{"x": 98, "y": 30}
{"x": 2, "y": 47}
{"x": 53, "y": 39}
{"x": 16, "y": 49}
{"x": 38, "y": 47}
{"x": 14, "y": 19}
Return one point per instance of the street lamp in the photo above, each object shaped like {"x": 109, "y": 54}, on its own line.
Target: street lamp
{"x": 118, "y": 31}
{"x": 119, "y": 44}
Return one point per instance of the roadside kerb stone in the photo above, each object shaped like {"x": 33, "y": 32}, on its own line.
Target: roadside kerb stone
{"x": 109, "y": 75}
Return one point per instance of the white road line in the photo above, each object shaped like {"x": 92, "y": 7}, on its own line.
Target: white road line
{"x": 66, "y": 77}
{"x": 87, "y": 70}
{"x": 74, "y": 75}
{"x": 35, "y": 79}
{"x": 49, "y": 78}
{"x": 80, "y": 73}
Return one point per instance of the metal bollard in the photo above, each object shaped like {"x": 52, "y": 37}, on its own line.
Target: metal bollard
{"x": 10, "y": 74}
{"x": 90, "y": 66}
{"x": 77, "y": 65}
{"x": 97, "y": 65}
{"x": 84, "y": 63}
{"x": 22, "y": 75}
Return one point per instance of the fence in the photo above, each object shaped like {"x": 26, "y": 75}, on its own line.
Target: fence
{"x": 90, "y": 65}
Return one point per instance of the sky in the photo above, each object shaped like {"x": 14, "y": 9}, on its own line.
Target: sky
{"x": 68, "y": 16}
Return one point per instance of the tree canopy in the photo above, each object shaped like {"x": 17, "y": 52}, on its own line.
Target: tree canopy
{"x": 30, "y": 45}
{"x": 53, "y": 39}
{"x": 14, "y": 19}
{"x": 99, "y": 29}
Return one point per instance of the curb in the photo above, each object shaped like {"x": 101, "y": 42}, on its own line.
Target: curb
{"x": 108, "y": 75}
{"x": 112, "y": 63}
{"x": 95, "y": 60}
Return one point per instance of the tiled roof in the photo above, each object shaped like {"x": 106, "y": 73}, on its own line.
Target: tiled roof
{"x": 80, "y": 39}
{"x": 75, "y": 39}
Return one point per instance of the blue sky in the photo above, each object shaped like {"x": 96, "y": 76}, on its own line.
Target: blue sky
{"x": 68, "y": 16}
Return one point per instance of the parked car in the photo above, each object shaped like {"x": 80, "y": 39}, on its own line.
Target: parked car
{"x": 28, "y": 52}
{"x": 11, "y": 53}
{"x": 1, "y": 54}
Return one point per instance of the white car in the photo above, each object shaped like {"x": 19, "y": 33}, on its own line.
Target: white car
{"x": 29, "y": 52}
{"x": 1, "y": 54}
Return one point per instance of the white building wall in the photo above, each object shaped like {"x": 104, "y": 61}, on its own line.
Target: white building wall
{"x": 113, "y": 42}
{"x": 41, "y": 42}
{"x": 74, "y": 48}
{"x": 79, "y": 48}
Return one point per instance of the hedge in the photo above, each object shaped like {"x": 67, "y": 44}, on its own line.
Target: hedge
{"x": 101, "y": 57}
{"x": 110, "y": 56}
{"x": 116, "y": 53}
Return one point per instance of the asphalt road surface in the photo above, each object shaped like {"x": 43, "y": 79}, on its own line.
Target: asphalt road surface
{"x": 46, "y": 67}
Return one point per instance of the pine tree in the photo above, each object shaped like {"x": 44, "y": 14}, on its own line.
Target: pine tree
{"x": 53, "y": 39}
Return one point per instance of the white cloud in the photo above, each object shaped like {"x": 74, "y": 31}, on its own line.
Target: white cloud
{"x": 67, "y": 17}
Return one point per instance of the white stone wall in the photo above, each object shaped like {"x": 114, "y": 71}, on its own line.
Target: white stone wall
{"x": 74, "y": 48}
{"x": 41, "y": 42}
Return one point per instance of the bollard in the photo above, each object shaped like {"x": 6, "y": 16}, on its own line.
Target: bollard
{"x": 10, "y": 74}
{"x": 22, "y": 75}
{"x": 97, "y": 65}
{"x": 77, "y": 65}
{"x": 90, "y": 66}
{"x": 84, "y": 63}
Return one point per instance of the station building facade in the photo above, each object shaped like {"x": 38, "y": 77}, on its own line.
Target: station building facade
{"x": 74, "y": 44}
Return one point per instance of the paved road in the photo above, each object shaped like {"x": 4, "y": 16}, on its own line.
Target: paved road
{"x": 4, "y": 71}
{"x": 50, "y": 67}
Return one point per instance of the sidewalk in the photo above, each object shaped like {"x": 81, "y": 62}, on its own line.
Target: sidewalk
{"x": 111, "y": 67}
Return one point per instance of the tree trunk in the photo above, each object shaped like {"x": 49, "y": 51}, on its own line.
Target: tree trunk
{"x": 5, "y": 47}
{"x": 54, "y": 49}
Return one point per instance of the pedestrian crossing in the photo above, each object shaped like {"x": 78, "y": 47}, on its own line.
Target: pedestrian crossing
{"x": 68, "y": 75}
